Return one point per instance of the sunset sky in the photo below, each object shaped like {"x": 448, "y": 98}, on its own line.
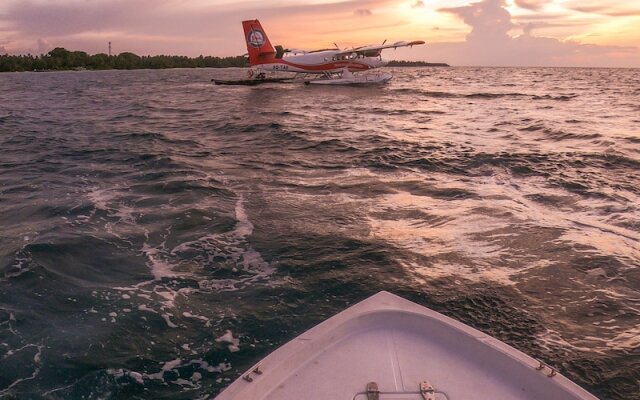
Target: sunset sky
{"x": 460, "y": 32}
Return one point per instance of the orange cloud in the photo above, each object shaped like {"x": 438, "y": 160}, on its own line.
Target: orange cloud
{"x": 201, "y": 27}
{"x": 490, "y": 43}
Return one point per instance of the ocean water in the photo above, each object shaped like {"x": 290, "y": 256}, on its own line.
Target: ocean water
{"x": 159, "y": 234}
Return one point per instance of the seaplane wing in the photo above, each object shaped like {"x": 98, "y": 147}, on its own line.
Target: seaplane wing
{"x": 363, "y": 50}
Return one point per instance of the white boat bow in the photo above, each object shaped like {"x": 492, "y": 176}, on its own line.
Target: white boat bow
{"x": 388, "y": 348}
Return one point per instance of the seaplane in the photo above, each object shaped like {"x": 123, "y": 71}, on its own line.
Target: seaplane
{"x": 332, "y": 66}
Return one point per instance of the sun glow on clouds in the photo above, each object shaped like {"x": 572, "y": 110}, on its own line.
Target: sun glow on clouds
{"x": 555, "y": 29}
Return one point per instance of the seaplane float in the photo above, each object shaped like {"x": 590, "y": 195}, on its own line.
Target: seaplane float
{"x": 389, "y": 348}
{"x": 317, "y": 67}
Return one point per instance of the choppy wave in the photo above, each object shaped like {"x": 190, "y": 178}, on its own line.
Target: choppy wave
{"x": 161, "y": 234}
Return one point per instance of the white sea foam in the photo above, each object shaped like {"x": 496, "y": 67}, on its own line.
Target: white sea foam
{"x": 200, "y": 317}
{"x": 160, "y": 268}
{"x": 143, "y": 307}
{"x": 137, "y": 376}
{"x": 37, "y": 358}
{"x": 243, "y": 227}
{"x": 233, "y": 343}
{"x": 167, "y": 319}
{"x": 232, "y": 245}
{"x": 221, "y": 367}
{"x": 121, "y": 372}
{"x": 167, "y": 366}
{"x": 184, "y": 382}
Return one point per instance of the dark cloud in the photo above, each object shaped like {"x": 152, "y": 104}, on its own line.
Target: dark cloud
{"x": 363, "y": 12}
{"x": 533, "y": 5}
{"x": 609, "y": 10}
{"x": 155, "y": 26}
{"x": 542, "y": 17}
{"x": 528, "y": 28}
{"x": 531, "y": 25}
{"x": 65, "y": 17}
{"x": 418, "y": 4}
{"x": 540, "y": 21}
{"x": 589, "y": 9}
{"x": 623, "y": 13}
{"x": 71, "y": 17}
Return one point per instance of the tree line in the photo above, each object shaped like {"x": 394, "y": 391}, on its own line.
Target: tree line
{"x": 60, "y": 59}
{"x": 401, "y": 63}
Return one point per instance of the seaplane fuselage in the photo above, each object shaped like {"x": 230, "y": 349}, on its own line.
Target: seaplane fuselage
{"x": 322, "y": 61}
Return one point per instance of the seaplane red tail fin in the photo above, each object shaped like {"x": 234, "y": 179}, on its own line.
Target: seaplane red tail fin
{"x": 258, "y": 45}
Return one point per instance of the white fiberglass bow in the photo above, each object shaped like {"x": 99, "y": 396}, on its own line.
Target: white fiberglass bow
{"x": 388, "y": 348}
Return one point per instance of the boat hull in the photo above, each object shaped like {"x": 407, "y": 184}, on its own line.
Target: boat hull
{"x": 398, "y": 345}
{"x": 353, "y": 80}
{"x": 251, "y": 82}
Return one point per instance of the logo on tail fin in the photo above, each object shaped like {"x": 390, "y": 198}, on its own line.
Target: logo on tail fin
{"x": 256, "y": 38}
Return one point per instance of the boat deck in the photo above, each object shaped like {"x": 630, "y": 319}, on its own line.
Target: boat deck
{"x": 398, "y": 345}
